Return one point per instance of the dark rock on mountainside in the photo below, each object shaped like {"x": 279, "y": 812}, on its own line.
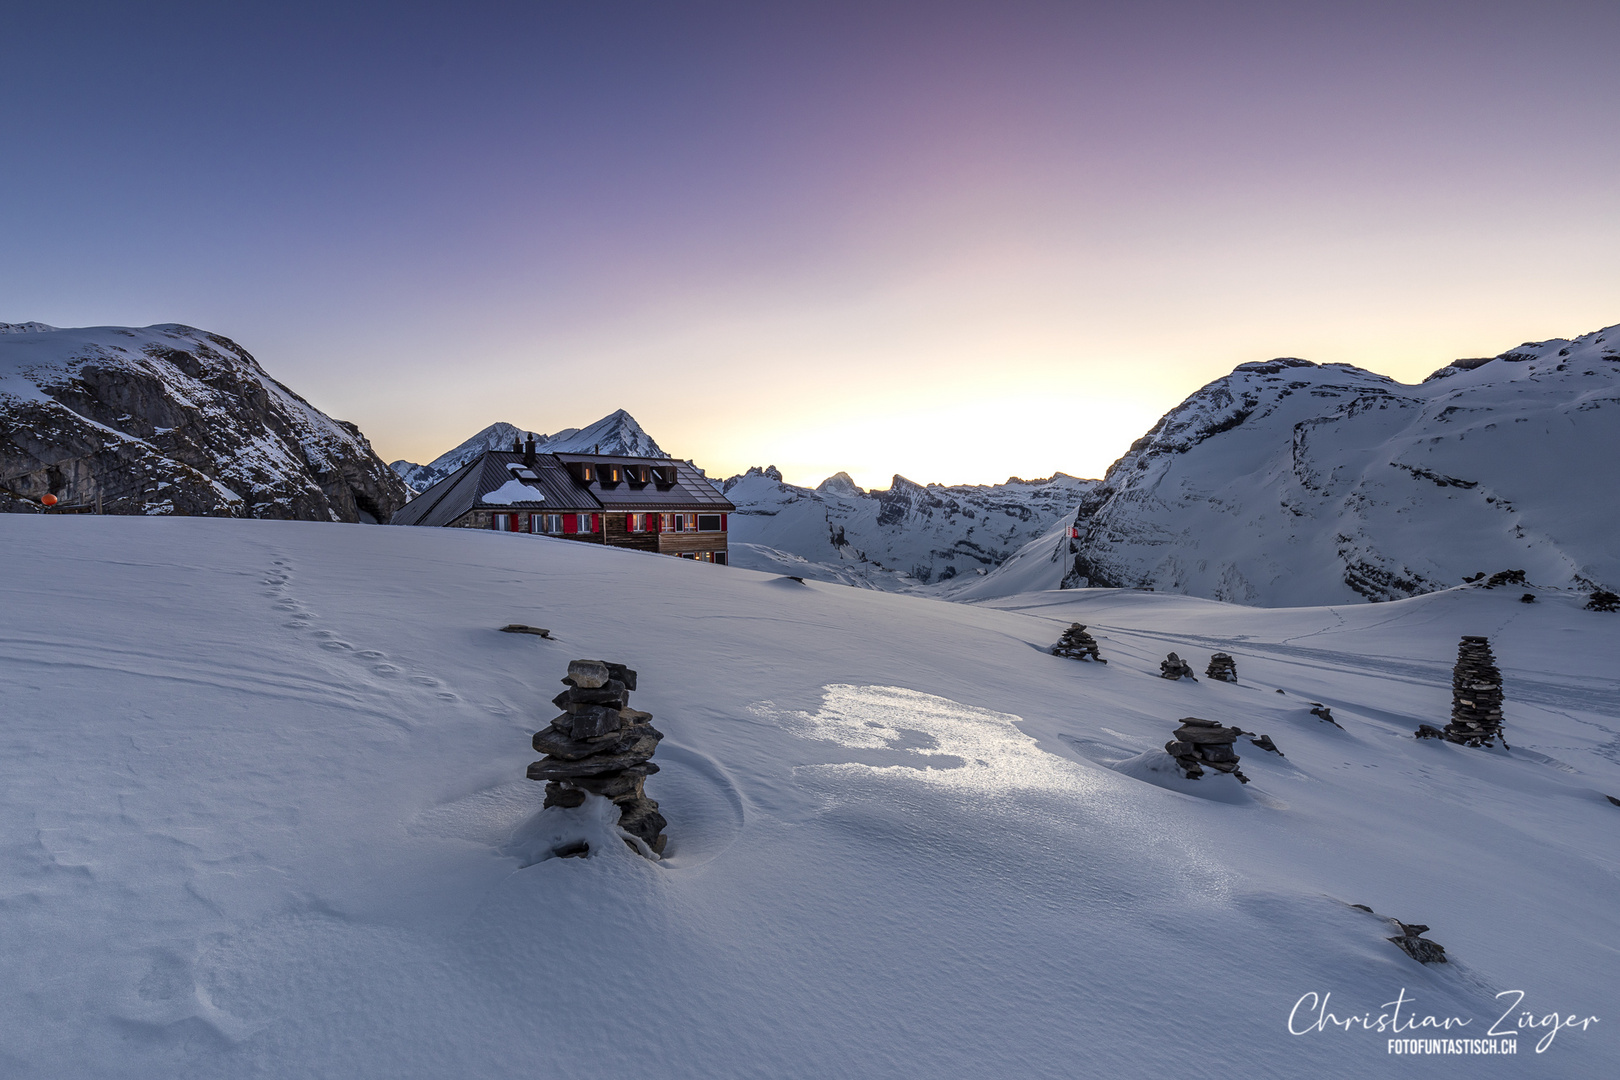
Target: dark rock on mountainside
{"x": 168, "y": 419}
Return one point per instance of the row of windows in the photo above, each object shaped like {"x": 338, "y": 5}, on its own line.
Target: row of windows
{"x": 575, "y": 524}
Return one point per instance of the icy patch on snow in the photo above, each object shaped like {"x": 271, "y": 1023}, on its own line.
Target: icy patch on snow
{"x": 983, "y": 750}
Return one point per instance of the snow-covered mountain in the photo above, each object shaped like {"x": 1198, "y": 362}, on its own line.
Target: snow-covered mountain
{"x": 900, "y": 539}
{"x": 168, "y": 419}
{"x": 264, "y": 814}
{"x": 1288, "y": 483}
{"x": 616, "y": 433}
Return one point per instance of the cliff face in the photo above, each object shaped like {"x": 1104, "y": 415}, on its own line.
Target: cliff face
{"x": 172, "y": 420}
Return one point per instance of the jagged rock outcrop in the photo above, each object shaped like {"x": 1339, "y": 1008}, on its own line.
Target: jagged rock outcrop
{"x": 1292, "y": 483}
{"x": 169, "y": 419}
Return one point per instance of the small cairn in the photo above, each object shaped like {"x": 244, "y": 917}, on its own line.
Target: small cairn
{"x": 1221, "y": 667}
{"x": 1476, "y": 698}
{"x": 1174, "y": 667}
{"x": 600, "y": 746}
{"x": 1204, "y": 743}
{"x": 1603, "y": 600}
{"x": 1077, "y": 644}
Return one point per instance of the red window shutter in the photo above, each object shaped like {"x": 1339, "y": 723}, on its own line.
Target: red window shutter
{"x": 596, "y": 523}
{"x": 723, "y": 522}
{"x": 629, "y": 523}
{"x": 570, "y": 523}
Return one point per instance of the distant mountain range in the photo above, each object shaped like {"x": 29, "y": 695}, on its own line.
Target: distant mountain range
{"x": 906, "y": 538}
{"x": 169, "y": 419}
{"x": 616, "y": 433}
{"x": 1284, "y": 483}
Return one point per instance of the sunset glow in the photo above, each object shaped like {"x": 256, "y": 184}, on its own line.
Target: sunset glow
{"x": 953, "y": 241}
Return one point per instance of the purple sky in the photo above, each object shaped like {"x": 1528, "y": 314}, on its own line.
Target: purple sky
{"x": 951, "y": 240}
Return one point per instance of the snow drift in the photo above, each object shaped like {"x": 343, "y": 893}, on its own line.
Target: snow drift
{"x": 262, "y": 814}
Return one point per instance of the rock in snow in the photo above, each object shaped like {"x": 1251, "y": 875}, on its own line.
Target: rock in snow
{"x": 168, "y": 419}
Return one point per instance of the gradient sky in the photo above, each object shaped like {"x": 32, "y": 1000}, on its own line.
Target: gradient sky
{"x": 952, "y": 240}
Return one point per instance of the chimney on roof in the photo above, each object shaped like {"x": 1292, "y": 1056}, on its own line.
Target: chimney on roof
{"x": 517, "y": 447}
{"x": 528, "y": 452}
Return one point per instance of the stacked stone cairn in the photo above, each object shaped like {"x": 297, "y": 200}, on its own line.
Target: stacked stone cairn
{"x": 1174, "y": 667}
{"x": 1201, "y": 744}
{"x": 600, "y": 746}
{"x": 1077, "y": 644}
{"x": 1221, "y": 667}
{"x": 1476, "y": 698}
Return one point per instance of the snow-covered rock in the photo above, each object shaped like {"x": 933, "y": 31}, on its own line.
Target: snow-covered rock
{"x": 168, "y": 419}
{"x": 1290, "y": 483}
{"x": 900, "y": 539}
{"x": 616, "y": 433}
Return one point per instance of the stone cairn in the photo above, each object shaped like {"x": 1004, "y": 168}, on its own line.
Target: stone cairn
{"x": 1077, "y": 644}
{"x": 1222, "y": 668}
{"x": 1476, "y": 698}
{"x": 1174, "y": 667}
{"x": 600, "y": 746}
{"x": 1204, "y": 743}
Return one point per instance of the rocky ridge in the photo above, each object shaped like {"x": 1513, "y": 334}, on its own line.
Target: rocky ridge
{"x": 168, "y": 419}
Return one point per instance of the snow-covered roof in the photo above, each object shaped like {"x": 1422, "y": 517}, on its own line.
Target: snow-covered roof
{"x": 489, "y": 480}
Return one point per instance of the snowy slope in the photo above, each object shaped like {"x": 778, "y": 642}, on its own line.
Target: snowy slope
{"x": 616, "y": 433}
{"x": 172, "y": 420}
{"x": 1292, "y": 483}
{"x": 901, "y": 539}
{"x": 262, "y": 815}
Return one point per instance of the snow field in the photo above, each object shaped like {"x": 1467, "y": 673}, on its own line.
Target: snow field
{"x": 263, "y": 815}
